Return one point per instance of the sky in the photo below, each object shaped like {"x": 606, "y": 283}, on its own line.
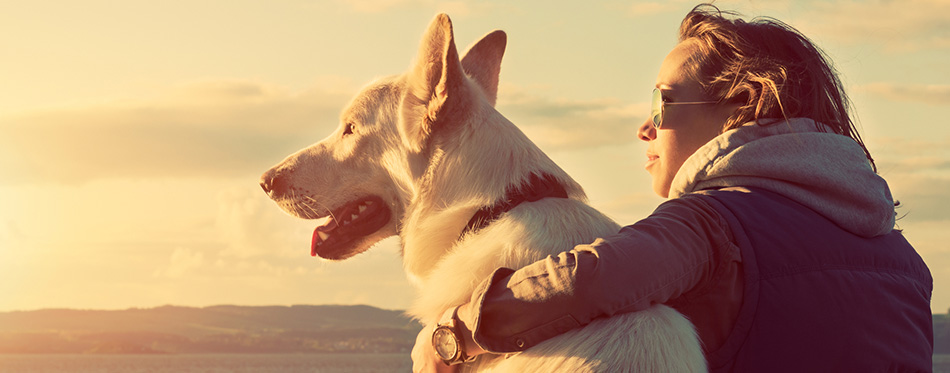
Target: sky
{"x": 133, "y": 134}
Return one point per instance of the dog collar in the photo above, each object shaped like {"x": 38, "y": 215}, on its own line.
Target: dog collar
{"x": 537, "y": 188}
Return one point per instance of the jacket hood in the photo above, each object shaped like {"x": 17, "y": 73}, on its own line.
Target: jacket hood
{"x": 825, "y": 171}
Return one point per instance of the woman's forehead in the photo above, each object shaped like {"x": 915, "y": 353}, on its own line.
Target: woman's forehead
{"x": 675, "y": 73}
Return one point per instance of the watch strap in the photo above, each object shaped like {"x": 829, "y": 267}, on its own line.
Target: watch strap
{"x": 449, "y": 320}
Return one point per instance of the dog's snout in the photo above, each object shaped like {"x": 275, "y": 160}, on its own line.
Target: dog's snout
{"x": 274, "y": 182}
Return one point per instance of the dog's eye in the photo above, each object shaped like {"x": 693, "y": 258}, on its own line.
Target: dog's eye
{"x": 348, "y": 130}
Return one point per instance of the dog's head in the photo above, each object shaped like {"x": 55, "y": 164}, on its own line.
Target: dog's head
{"x": 364, "y": 175}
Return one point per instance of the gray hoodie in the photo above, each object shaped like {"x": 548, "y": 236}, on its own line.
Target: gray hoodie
{"x": 780, "y": 157}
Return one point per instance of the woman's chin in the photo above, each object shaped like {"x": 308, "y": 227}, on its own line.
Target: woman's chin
{"x": 660, "y": 188}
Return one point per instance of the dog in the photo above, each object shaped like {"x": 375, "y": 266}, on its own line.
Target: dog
{"x": 424, "y": 155}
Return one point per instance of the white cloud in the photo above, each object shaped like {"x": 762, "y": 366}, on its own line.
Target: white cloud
{"x": 900, "y": 26}
{"x": 251, "y": 226}
{"x": 351, "y": 297}
{"x": 922, "y": 197}
{"x": 181, "y": 262}
{"x": 453, "y": 8}
{"x": 679, "y": 8}
{"x": 557, "y": 124}
{"x": 934, "y": 94}
{"x": 208, "y": 129}
{"x": 631, "y": 207}
{"x": 903, "y": 155}
{"x": 918, "y": 172}
{"x": 928, "y": 236}
{"x": 649, "y": 8}
{"x": 239, "y": 128}
{"x": 897, "y": 26}
{"x": 378, "y": 6}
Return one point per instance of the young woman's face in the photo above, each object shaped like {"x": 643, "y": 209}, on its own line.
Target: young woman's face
{"x": 684, "y": 128}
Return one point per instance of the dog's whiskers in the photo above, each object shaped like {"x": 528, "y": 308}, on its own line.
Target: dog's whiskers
{"x": 314, "y": 201}
{"x": 295, "y": 205}
{"x": 312, "y": 210}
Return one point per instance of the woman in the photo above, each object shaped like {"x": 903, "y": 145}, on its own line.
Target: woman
{"x": 777, "y": 241}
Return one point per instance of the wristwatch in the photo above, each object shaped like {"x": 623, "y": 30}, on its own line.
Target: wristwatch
{"x": 447, "y": 341}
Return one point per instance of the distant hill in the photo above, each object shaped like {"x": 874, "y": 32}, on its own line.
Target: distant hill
{"x": 217, "y": 329}
{"x": 232, "y": 329}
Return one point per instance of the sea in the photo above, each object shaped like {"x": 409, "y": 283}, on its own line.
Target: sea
{"x": 206, "y": 363}
{"x": 233, "y": 363}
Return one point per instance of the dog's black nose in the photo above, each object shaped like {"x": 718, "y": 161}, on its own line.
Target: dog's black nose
{"x": 274, "y": 182}
{"x": 266, "y": 182}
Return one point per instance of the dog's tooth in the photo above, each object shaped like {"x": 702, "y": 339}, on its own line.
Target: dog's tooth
{"x": 323, "y": 236}
{"x": 362, "y": 208}
{"x": 369, "y": 203}
{"x": 353, "y": 217}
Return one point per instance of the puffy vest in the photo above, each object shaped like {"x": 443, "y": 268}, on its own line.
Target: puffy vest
{"x": 818, "y": 298}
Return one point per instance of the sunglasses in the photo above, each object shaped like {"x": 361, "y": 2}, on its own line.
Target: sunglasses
{"x": 657, "y": 108}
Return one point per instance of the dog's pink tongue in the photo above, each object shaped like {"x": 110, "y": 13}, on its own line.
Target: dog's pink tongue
{"x": 326, "y": 228}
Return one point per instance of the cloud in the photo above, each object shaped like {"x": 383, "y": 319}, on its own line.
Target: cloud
{"x": 918, "y": 172}
{"x": 900, "y": 26}
{"x": 928, "y": 236}
{"x": 251, "y": 226}
{"x": 235, "y": 128}
{"x": 934, "y": 94}
{"x": 455, "y": 8}
{"x": 210, "y": 129}
{"x": 559, "y": 124}
{"x": 251, "y": 238}
{"x": 679, "y": 8}
{"x": 181, "y": 262}
{"x": 911, "y": 155}
{"x": 643, "y": 9}
{"x": 928, "y": 163}
{"x": 922, "y": 198}
{"x": 897, "y": 26}
{"x": 378, "y": 6}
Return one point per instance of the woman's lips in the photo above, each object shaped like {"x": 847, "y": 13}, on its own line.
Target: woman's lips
{"x": 651, "y": 159}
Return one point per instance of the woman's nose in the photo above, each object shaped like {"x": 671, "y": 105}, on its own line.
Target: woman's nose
{"x": 646, "y": 132}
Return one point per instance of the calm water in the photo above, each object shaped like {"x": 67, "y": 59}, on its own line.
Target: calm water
{"x": 206, "y": 363}
{"x": 232, "y": 363}
{"x": 941, "y": 363}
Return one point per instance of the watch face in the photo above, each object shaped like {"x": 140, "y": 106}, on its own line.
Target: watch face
{"x": 445, "y": 343}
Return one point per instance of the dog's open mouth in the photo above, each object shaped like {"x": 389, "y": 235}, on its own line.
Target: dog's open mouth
{"x": 347, "y": 224}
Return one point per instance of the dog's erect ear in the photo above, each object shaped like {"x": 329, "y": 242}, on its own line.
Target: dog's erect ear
{"x": 482, "y": 62}
{"x": 434, "y": 84}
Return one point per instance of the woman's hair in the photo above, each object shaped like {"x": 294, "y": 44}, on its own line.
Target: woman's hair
{"x": 769, "y": 68}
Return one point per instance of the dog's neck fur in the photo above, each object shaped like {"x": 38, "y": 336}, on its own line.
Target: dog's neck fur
{"x": 447, "y": 195}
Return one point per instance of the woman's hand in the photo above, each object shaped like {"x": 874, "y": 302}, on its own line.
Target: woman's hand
{"x": 424, "y": 359}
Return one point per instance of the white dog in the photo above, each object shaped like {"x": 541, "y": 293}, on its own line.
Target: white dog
{"x": 419, "y": 155}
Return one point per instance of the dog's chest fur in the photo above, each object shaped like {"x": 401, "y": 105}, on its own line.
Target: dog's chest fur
{"x": 527, "y": 233}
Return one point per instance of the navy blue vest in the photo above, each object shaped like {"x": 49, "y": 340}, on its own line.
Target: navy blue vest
{"x": 818, "y": 298}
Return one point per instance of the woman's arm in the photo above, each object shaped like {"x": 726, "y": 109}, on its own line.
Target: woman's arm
{"x": 673, "y": 251}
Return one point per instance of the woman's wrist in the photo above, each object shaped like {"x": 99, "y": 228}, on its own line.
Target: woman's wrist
{"x": 469, "y": 345}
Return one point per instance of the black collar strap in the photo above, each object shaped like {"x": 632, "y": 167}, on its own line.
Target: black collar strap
{"x": 537, "y": 188}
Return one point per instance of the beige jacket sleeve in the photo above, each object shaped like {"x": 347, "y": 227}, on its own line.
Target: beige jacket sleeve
{"x": 653, "y": 261}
